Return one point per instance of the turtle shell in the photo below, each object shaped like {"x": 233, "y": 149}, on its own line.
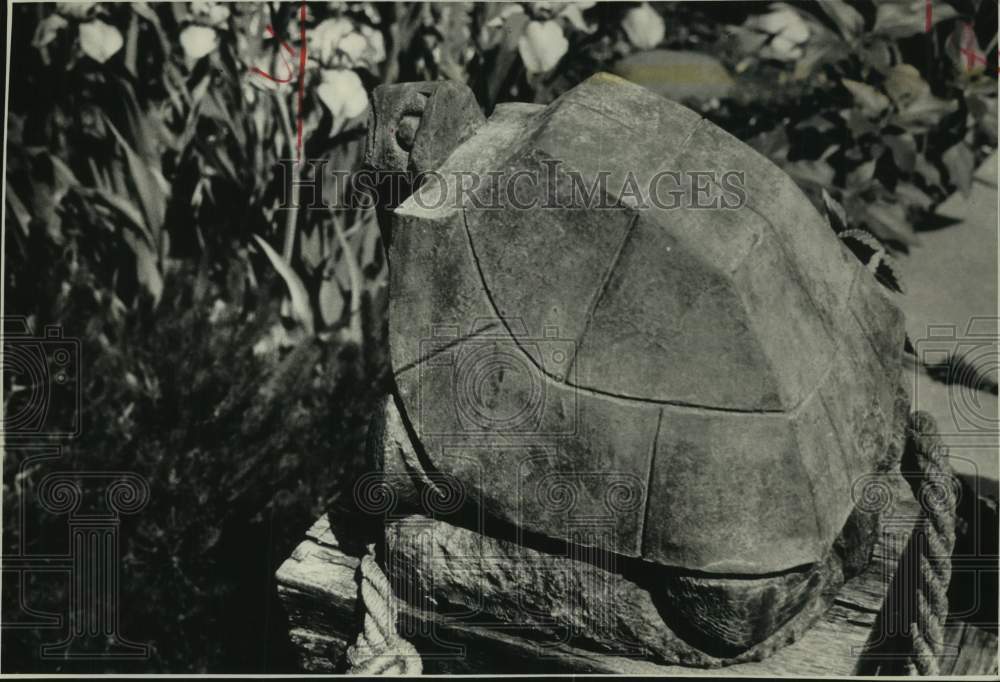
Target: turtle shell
{"x": 699, "y": 386}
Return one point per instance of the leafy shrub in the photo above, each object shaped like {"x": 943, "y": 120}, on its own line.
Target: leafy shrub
{"x": 889, "y": 112}
{"x": 241, "y": 450}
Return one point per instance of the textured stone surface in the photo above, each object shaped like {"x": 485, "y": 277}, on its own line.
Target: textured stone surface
{"x": 722, "y": 617}
{"x": 318, "y": 586}
{"x": 707, "y": 386}
{"x": 533, "y": 484}
{"x": 407, "y": 139}
{"x": 726, "y": 359}
{"x": 608, "y": 603}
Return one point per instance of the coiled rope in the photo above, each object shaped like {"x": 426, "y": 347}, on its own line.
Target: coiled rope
{"x": 379, "y": 650}
{"x": 931, "y": 542}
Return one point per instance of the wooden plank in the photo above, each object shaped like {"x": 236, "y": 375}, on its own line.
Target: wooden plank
{"x": 317, "y": 587}
{"x": 975, "y": 651}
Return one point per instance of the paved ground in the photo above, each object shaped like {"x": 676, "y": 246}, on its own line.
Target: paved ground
{"x": 951, "y": 307}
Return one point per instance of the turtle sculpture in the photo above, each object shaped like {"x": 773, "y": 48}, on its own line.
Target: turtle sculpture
{"x": 707, "y": 378}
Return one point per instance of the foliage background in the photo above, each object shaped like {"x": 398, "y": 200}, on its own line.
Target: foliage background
{"x": 232, "y": 350}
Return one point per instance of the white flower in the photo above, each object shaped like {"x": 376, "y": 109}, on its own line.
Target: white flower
{"x": 344, "y": 44}
{"x": 76, "y": 10}
{"x": 787, "y": 23}
{"x": 542, "y": 42}
{"x": 48, "y": 29}
{"x": 201, "y": 36}
{"x": 644, "y": 26}
{"x": 328, "y": 35}
{"x": 785, "y": 49}
{"x": 789, "y": 33}
{"x": 355, "y": 8}
{"x": 197, "y": 41}
{"x": 572, "y": 11}
{"x": 542, "y": 46}
{"x": 209, "y": 13}
{"x": 341, "y": 91}
{"x": 100, "y": 41}
{"x": 353, "y": 46}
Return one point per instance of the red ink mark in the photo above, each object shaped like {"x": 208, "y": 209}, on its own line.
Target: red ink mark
{"x": 970, "y": 48}
{"x": 969, "y": 45}
{"x": 291, "y": 70}
{"x": 301, "y": 53}
{"x": 302, "y": 81}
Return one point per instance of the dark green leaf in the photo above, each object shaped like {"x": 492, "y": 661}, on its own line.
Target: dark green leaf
{"x": 146, "y": 266}
{"x": 888, "y": 274}
{"x": 149, "y": 184}
{"x": 301, "y": 310}
{"x": 862, "y": 175}
{"x": 888, "y": 222}
{"x": 20, "y": 211}
{"x": 928, "y": 171}
{"x": 904, "y": 18}
{"x": 122, "y": 207}
{"x": 819, "y": 172}
{"x": 924, "y": 112}
{"x": 960, "y": 163}
{"x": 848, "y": 20}
{"x": 866, "y": 98}
{"x": 911, "y": 195}
{"x": 331, "y": 302}
{"x": 904, "y": 150}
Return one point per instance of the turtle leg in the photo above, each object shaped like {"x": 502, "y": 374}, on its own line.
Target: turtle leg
{"x": 745, "y": 617}
{"x": 392, "y": 451}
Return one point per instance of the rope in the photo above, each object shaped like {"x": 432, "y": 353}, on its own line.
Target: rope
{"x": 379, "y": 650}
{"x": 932, "y": 542}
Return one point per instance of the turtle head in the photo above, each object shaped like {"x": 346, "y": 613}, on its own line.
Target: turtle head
{"x": 414, "y": 127}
